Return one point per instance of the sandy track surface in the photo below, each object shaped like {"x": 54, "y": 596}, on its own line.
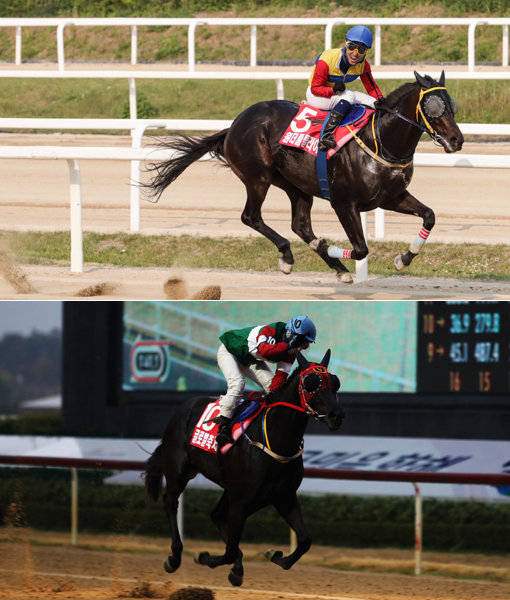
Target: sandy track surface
{"x": 470, "y": 204}
{"x": 64, "y": 572}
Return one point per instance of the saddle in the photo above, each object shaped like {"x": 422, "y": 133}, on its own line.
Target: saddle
{"x": 206, "y": 429}
{"x": 305, "y": 128}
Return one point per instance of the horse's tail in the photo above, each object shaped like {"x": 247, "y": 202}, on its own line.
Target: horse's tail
{"x": 154, "y": 474}
{"x": 189, "y": 150}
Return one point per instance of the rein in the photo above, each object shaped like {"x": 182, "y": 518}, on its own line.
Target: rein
{"x": 393, "y": 161}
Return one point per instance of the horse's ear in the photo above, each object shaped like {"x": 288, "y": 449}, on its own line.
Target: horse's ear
{"x": 441, "y": 79}
{"x": 421, "y": 80}
{"x": 302, "y": 362}
{"x": 325, "y": 360}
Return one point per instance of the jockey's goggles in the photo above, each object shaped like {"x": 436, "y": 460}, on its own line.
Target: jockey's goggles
{"x": 361, "y": 48}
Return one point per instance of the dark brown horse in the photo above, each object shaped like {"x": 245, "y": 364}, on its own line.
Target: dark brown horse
{"x": 261, "y": 470}
{"x": 369, "y": 172}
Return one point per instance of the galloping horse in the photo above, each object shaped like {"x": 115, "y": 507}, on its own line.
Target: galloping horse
{"x": 371, "y": 171}
{"x": 261, "y": 470}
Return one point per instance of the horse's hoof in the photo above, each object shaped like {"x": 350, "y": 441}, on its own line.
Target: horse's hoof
{"x": 273, "y": 555}
{"x": 344, "y": 277}
{"x": 201, "y": 558}
{"x": 399, "y": 263}
{"x": 235, "y": 579}
{"x": 284, "y": 267}
{"x": 169, "y": 568}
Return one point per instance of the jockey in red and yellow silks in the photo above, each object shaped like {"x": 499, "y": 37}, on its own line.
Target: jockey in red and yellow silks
{"x": 333, "y": 69}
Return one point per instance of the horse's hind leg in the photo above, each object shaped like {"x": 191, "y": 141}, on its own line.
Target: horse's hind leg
{"x": 302, "y": 225}
{"x": 171, "y": 502}
{"x": 290, "y": 510}
{"x": 252, "y": 217}
{"x": 410, "y": 205}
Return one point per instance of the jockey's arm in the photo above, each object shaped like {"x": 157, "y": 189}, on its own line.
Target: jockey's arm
{"x": 269, "y": 349}
{"x": 369, "y": 82}
{"x": 280, "y": 377}
{"x": 319, "y": 80}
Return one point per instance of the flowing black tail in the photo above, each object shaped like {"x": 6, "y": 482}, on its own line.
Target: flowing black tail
{"x": 154, "y": 475}
{"x": 190, "y": 149}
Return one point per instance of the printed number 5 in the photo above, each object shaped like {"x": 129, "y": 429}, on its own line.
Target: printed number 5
{"x": 306, "y": 112}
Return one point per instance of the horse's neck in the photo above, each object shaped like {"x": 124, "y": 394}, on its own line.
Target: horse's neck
{"x": 397, "y": 135}
{"x": 285, "y": 426}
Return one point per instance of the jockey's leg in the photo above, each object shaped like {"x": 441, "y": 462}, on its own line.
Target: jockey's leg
{"x": 261, "y": 373}
{"x": 338, "y": 112}
{"x": 231, "y": 370}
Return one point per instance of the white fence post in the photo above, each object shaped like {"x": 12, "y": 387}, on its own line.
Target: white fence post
{"x": 60, "y": 46}
{"x": 17, "y": 59}
{"x": 377, "y": 55}
{"x": 134, "y": 44}
{"x": 504, "y": 59}
{"x": 133, "y": 111}
{"x": 253, "y": 46}
{"x": 362, "y": 265}
{"x": 379, "y": 223}
{"x": 76, "y": 220}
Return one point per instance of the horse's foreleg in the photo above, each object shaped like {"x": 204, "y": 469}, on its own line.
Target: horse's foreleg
{"x": 350, "y": 220}
{"x": 291, "y": 512}
{"x": 409, "y": 205}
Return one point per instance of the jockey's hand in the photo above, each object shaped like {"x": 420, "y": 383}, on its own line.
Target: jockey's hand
{"x": 339, "y": 87}
{"x": 299, "y": 341}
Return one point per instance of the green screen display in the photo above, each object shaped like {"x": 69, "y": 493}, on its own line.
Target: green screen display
{"x": 173, "y": 345}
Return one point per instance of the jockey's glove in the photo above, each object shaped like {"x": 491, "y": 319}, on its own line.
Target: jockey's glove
{"x": 339, "y": 87}
{"x": 298, "y": 341}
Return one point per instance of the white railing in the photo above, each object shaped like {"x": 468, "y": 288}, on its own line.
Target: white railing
{"x": 328, "y": 23}
{"x": 74, "y": 154}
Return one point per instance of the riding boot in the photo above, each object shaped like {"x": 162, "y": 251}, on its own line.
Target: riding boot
{"x": 336, "y": 115}
{"x": 224, "y": 431}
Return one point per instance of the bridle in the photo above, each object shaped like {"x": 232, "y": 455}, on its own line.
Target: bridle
{"x": 312, "y": 380}
{"x": 424, "y": 114}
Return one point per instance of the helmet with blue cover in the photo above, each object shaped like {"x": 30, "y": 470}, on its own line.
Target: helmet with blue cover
{"x": 361, "y": 35}
{"x": 302, "y": 326}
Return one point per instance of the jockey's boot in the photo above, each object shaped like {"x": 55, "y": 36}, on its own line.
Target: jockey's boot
{"x": 336, "y": 115}
{"x": 224, "y": 434}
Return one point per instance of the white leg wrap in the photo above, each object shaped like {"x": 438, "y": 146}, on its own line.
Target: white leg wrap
{"x": 336, "y": 252}
{"x": 419, "y": 240}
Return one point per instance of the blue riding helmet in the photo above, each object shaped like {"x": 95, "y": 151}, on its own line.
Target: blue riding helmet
{"x": 360, "y": 34}
{"x": 302, "y": 326}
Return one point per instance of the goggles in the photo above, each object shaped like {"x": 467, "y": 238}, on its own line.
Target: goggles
{"x": 361, "y": 48}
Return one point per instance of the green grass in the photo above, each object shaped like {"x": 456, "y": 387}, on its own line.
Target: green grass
{"x": 458, "y": 261}
{"x": 479, "y": 101}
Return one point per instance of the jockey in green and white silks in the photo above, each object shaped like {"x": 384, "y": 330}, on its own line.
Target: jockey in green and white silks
{"x": 251, "y": 352}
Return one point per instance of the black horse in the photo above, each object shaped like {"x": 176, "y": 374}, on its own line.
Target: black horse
{"x": 263, "y": 469}
{"x": 371, "y": 171}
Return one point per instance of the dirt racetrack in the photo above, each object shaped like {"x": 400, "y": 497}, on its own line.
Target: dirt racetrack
{"x": 48, "y": 570}
{"x": 470, "y": 205}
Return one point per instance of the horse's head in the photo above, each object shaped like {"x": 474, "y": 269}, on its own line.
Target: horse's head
{"x": 318, "y": 391}
{"x": 436, "y": 112}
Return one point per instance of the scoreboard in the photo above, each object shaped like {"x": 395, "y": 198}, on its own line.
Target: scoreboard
{"x": 463, "y": 347}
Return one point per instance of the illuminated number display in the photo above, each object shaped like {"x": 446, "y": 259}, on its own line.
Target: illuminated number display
{"x": 463, "y": 347}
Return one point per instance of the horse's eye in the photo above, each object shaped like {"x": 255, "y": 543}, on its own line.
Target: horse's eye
{"x": 335, "y": 382}
{"x": 434, "y": 106}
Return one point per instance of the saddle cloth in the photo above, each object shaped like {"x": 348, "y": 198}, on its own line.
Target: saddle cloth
{"x": 304, "y": 130}
{"x": 205, "y": 432}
